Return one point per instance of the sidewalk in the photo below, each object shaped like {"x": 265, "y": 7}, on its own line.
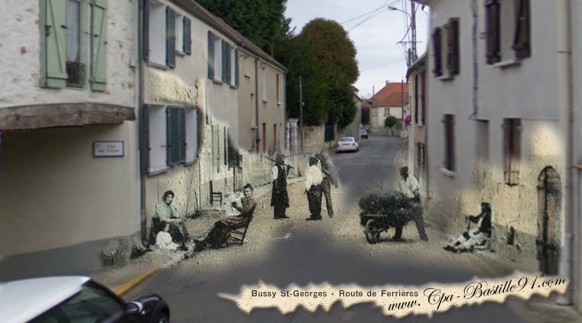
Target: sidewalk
{"x": 122, "y": 279}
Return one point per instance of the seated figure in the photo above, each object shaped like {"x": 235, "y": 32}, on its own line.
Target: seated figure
{"x": 217, "y": 236}
{"x": 164, "y": 240}
{"x": 475, "y": 237}
{"x": 166, "y": 213}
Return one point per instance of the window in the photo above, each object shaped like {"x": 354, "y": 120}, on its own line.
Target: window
{"x": 483, "y": 141}
{"x": 172, "y": 136}
{"x": 416, "y": 98}
{"x": 63, "y": 49}
{"x": 449, "y": 124}
{"x": 385, "y": 112}
{"x": 218, "y": 58}
{"x": 422, "y": 99}
{"x": 264, "y": 83}
{"x": 234, "y": 67}
{"x": 511, "y": 150}
{"x": 420, "y": 159}
{"x": 277, "y": 85}
{"x": 508, "y": 30}
{"x": 446, "y": 49}
{"x": 160, "y": 34}
{"x": 183, "y": 26}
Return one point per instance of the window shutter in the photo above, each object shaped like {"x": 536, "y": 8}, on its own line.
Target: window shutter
{"x": 453, "y": 46}
{"x": 236, "y": 77}
{"x": 228, "y": 63}
{"x": 423, "y": 96}
{"x": 449, "y": 122}
{"x": 493, "y": 27}
{"x": 170, "y": 37}
{"x": 145, "y": 124}
{"x": 436, "y": 42}
{"x": 210, "y": 55}
{"x": 181, "y": 135}
{"x": 416, "y": 98}
{"x": 225, "y": 70}
{"x": 187, "y": 36}
{"x": 521, "y": 43}
{"x": 55, "y": 47}
{"x": 176, "y": 135}
{"x": 99, "y": 45}
{"x": 146, "y": 30}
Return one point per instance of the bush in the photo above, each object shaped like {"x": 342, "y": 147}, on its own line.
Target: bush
{"x": 392, "y": 203}
{"x": 390, "y": 121}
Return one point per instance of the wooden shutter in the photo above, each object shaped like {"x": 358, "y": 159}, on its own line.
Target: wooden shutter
{"x": 145, "y": 128}
{"x": 423, "y": 96}
{"x": 436, "y": 42}
{"x": 170, "y": 37}
{"x": 415, "y": 98}
{"x": 225, "y": 71}
{"x": 176, "y": 135}
{"x": 449, "y": 123}
{"x": 146, "y": 30}
{"x": 521, "y": 42}
{"x": 99, "y": 45}
{"x": 236, "y": 77}
{"x": 55, "y": 44}
{"x": 511, "y": 150}
{"x": 493, "y": 27}
{"x": 187, "y": 36}
{"x": 453, "y": 55}
{"x": 210, "y": 55}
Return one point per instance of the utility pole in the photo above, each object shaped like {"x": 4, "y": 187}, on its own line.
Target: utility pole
{"x": 301, "y": 112}
{"x": 413, "y": 32}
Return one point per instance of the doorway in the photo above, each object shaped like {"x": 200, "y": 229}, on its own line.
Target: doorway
{"x": 548, "y": 221}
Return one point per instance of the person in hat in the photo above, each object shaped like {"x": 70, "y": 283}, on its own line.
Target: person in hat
{"x": 313, "y": 179}
{"x": 279, "y": 195}
{"x": 475, "y": 237}
{"x": 329, "y": 178}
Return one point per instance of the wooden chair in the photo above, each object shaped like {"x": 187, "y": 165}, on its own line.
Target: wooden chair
{"x": 237, "y": 236}
{"x": 215, "y": 196}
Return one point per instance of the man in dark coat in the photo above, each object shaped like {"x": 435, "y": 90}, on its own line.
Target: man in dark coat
{"x": 476, "y": 237}
{"x": 279, "y": 195}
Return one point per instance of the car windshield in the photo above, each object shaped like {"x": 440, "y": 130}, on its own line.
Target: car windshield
{"x": 91, "y": 304}
{"x": 346, "y": 139}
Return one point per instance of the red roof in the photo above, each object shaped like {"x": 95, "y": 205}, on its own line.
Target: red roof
{"x": 391, "y": 95}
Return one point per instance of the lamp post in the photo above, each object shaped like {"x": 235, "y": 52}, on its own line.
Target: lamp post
{"x": 412, "y": 50}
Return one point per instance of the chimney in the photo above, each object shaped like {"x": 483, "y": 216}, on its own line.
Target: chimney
{"x": 387, "y": 81}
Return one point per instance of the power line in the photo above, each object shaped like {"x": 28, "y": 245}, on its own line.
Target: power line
{"x": 370, "y": 14}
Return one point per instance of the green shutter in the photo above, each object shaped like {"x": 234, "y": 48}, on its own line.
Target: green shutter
{"x": 170, "y": 37}
{"x": 210, "y": 55}
{"x": 225, "y": 71}
{"x": 187, "y": 36}
{"x": 54, "y": 51}
{"x": 99, "y": 45}
{"x": 236, "y": 80}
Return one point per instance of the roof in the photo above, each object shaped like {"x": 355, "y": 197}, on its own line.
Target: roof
{"x": 391, "y": 95}
{"x": 23, "y": 300}
{"x": 206, "y": 16}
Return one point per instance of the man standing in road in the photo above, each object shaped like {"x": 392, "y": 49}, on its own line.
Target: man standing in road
{"x": 408, "y": 185}
{"x": 279, "y": 195}
{"x": 329, "y": 179}
{"x": 313, "y": 189}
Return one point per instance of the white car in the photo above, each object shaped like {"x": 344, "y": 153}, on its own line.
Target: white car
{"x": 347, "y": 144}
{"x": 74, "y": 299}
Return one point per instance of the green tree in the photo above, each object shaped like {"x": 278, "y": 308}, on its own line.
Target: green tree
{"x": 262, "y": 22}
{"x": 325, "y": 58}
{"x": 390, "y": 121}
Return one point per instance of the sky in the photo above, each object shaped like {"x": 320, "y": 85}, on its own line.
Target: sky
{"x": 375, "y": 31}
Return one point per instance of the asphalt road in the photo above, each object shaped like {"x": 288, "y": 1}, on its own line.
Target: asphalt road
{"x": 296, "y": 251}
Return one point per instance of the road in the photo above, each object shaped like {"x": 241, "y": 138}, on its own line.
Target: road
{"x": 295, "y": 251}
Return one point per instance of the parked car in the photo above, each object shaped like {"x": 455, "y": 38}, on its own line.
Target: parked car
{"x": 74, "y": 299}
{"x": 364, "y": 134}
{"x": 347, "y": 144}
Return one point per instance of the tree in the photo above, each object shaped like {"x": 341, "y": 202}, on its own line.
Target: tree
{"x": 325, "y": 58}
{"x": 262, "y": 22}
{"x": 390, "y": 121}
{"x": 365, "y": 115}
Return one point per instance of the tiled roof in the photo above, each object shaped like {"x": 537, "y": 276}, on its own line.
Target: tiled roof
{"x": 391, "y": 95}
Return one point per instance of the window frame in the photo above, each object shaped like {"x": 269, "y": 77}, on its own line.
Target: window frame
{"x": 500, "y": 43}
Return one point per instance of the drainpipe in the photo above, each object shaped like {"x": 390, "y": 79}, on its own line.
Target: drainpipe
{"x": 257, "y": 138}
{"x": 474, "y": 10}
{"x": 565, "y": 102}
{"x": 141, "y": 126}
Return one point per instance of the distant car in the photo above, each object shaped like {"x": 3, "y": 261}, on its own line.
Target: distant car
{"x": 347, "y": 144}
{"x": 74, "y": 299}
{"x": 364, "y": 133}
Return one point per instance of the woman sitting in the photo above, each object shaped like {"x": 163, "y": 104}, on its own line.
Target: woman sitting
{"x": 217, "y": 236}
{"x": 478, "y": 236}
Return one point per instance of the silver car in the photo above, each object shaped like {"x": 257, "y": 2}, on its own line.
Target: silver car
{"x": 347, "y": 144}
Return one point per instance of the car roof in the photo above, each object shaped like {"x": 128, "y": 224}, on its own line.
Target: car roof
{"x": 350, "y": 138}
{"x": 23, "y": 300}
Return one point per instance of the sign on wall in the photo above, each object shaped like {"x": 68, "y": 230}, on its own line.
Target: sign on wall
{"x": 108, "y": 149}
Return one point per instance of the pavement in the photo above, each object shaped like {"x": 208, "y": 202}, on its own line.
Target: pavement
{"x": 123, "y": 279}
